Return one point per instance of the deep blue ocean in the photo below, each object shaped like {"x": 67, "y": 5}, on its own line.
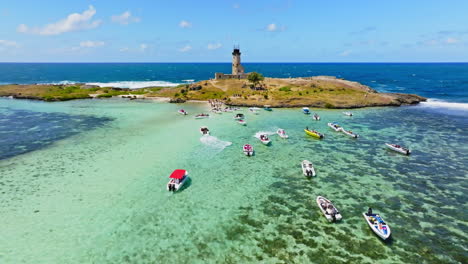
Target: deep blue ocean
{"x": 441, "y": 81}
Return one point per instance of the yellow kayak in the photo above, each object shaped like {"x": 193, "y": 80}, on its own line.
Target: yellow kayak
{"x": 313, "y": 133}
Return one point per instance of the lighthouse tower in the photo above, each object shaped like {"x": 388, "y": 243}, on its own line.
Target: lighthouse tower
{"x": 237, "y": 68}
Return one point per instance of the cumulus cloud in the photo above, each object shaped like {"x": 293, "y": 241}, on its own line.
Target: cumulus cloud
{"x": 185, "y": 24}
{"x": 185, "y": 48}
{"x": 91, "y": 44}
{"x": 8, "y": 43}
{"x": 125, "y": 18}
{"x": 274, "y": 27}
{"x": 214, "y": 46}
{"x": 73, "y": 22}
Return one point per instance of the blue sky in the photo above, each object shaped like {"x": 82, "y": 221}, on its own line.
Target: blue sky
{"x": 205, "y": 31}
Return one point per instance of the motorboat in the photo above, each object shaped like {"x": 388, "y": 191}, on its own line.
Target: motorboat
{"x": 349, "y": 133}
{"x": 254, "y": 110}
{"x": 217, "y": 111}
{"x": 282, "y": 133}
{"x": 248, "y": 150}
{"x": 239, "y": 116}
{"x": 200, "y": 116}
{"x": 182, "y": 112}
{"x": 204, "y": 130}
{"x": 348, "y": 113}
{"x": 228, "y": 109}
{"x": 308, "y": 168}
{"x": 267, "y": 108}
{"x": 378, "y": 225}
{"x": 328, "y": 209}
{"x": 306, "y": 110}
{"x": 241, "y": 122}
{"x": 177, "y": 180}
{"x": 313, "y": 133}
{"x": 264, "y": 139}
{"x": 335, "y": 127}
{"x": 316, "y": 117}
{"x": 398, "y": 148}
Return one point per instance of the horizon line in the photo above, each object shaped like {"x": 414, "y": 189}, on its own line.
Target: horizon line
{"x": 228, "y": 62}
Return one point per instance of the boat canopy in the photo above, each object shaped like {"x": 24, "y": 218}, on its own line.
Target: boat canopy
{"x": 178, "y": 174}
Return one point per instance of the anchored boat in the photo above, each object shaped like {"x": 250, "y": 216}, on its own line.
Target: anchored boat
{"x": 264, "y": 139}
{"x": 306, "y": 110}
{"x": 328, "y": 209}
{"x": 248, "y": 150}
{"x": 316, "y": 117}
{"x": 377, "y": 224}
{"x": 204, "y": 130}
{"x": 349, "y": 133}
{"x": 348, "y": 113}
{"x": 177, "y": 179}
{"x": 308, "y": 168}
{"x": 313, "y": 133}
{"x": 242, "y": 122}
{"x": 335, "y": 127}
{"x": 254, "y": 110}
{"x": 398, "y": 148}
{"x": 267, "y": 108}
{"x": 282, "y": 133}
{"x": 200, "y": 116}
{"x": 182, "y": 112}
{"x": 239, "y": 116}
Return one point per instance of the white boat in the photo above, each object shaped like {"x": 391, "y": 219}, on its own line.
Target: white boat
{"x": 308, "y": 168}
{"x": 228, "y": 109}
{"x": 239, "y": 116}
{"x": 182, "y": 112}
{"x": 242, "y": 122}
{"x": 282, "y": 133}
{"x": 177, "y": 180}
{"x": 306, "y": 110}
{"x": 398, "y": 148}
{"x": 328, "y": 209}
{"x": 204, "y": 130}
{"x": 348, "y": 113}
{"x": 216, "y": 111}
{"x": 377, "y": 225}
{"x": 349, "y": 133}
{"x": 200, "y": 116}
{"x": 254, "y": 110}
{"x": 264, "y": 139}
{"x": 316, "y": 117}
{"x": 335, "y": 127}
{"x": 248, "y": 150}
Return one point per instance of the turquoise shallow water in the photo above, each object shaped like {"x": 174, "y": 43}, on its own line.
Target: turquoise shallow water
{"x": 95, "y": 191}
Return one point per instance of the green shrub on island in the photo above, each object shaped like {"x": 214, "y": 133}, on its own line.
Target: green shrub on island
{"x": 329, "y": 106}
{"x": 105, "y": 95}
{"x": 285, "y": 89}
{"x": 255, "y": 78}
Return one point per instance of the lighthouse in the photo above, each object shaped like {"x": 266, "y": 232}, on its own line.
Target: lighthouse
{"x": 237, "y": 68}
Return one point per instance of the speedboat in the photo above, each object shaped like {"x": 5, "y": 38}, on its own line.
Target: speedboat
{"x": 349, "y": 133}
{"x": 177, "y": 179}
{"x": 204, "y": 130}
{"x": 228, "y": 109}
{"x": 348, "y": 113}
{"x": 239, "y": 116}
{"x": 264, "y": 139}
{"x": 306, "y": 110}
{"x": 308, "y": 168}
{"x": 313, "y": 133}
{"x": 335, "y": 127}
{"x": 242, "y": 122}
{"x": 398, "y": 148}
{"x": 316, "y": 117}
{"x": 267, "y": 108}
{"x": 282, "y": 133}
{"x": 248, "y": 150}
{"x": 328, "y": 209}
{"x": 200, "y": 116}
{"x": 254, "y": 110}
{"x": 182, "y": 112}
{"x": 377, "y": 225}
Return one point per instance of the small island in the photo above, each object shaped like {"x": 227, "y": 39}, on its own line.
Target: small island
{"x": 236, "y": 89}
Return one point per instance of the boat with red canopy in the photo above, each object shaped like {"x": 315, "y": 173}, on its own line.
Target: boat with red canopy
{"x": 177, "y": 179}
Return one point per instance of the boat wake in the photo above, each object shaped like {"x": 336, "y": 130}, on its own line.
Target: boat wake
{"x": 214, "y": 142}
{"x": 269, "y": 133}
{"x": 434, "y": 103}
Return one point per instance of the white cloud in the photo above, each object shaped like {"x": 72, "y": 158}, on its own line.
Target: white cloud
{"x": 73, "y": 22}
{"x": 214, "y": 46}
{"x": 8, "y": 43}
{"x": 91, "y": 44}
{"x": 185, "y": 48}
{"x": 274, "y": 28}
{"x": 143, "y": 47}
{"x": 125, "y": 49}
{"x": 125, "y": 18}
{"x": 185, "y": 24}
{"x": 451, "y": 40}
{"x": 345, "y": 53}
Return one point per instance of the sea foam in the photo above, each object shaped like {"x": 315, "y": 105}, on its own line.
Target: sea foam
{"x": 434, "y": 103}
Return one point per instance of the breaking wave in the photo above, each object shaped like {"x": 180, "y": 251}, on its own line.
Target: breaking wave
{"x": 434, "y": 103}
